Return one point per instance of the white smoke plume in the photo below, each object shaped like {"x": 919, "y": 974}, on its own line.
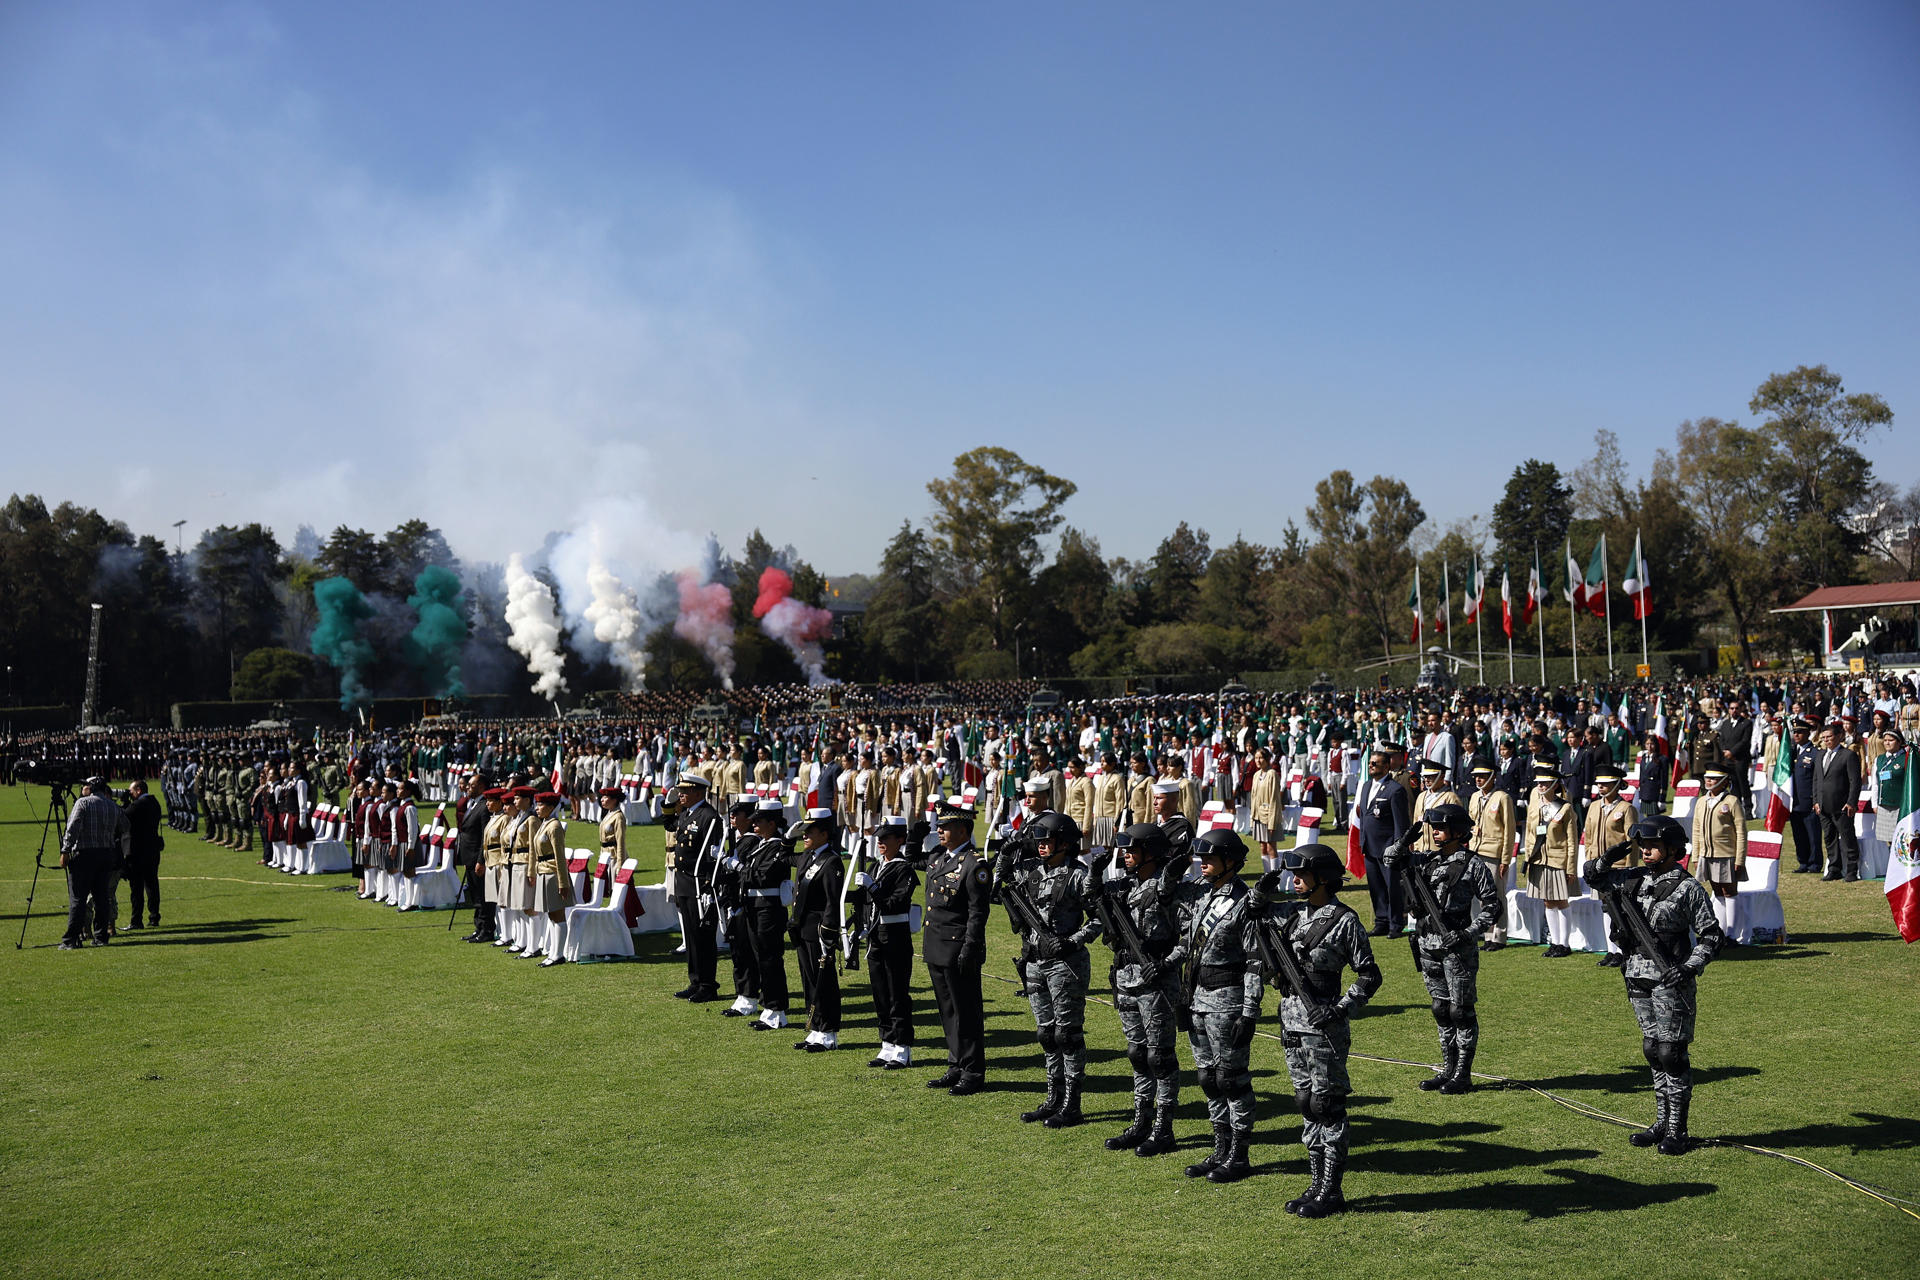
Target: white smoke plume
{"x": 534, "y": 628}
{"x": 617, "y": 623}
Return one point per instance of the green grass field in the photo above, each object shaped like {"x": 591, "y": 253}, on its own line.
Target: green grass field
{"x": 283, "y": 1080}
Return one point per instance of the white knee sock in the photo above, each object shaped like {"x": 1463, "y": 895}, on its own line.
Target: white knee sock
{"x": 1557, "y": 926}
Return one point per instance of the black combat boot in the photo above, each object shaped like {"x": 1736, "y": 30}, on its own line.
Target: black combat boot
{"x": 1056, "y": 1086}
{"x": 1069, "y": 1113}
{"x": 1445, "y": 1073}
{"x": 1235, "y": 1166}
{"x": 1653, "y": 1133}
{"x": 1317, "y": 1165}
{"x": 1201, "y": 1168}
{"x": 1461, "y": 1081}
{"x": 1133, "y": 1134}
{"x": 1160, "y": 1140}
{"x": 1675, "y": 1141}
{"x": 1330, "y": 1200}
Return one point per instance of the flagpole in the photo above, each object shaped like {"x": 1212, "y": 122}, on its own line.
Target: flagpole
{"x": 1573, "y": 618}
{"x": 1640, "y": 600}
{"x": 1606, "y": 602}
{"x": 1479, "y": 611}
{"x": 1540, "y": 582}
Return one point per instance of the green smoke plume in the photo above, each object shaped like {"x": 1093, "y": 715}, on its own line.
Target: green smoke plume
{"x": 441, "y": 634}
{"x": 338, "y": 640}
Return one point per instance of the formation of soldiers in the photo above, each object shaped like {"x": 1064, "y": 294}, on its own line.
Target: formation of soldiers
{"x": 1191, "y": 948}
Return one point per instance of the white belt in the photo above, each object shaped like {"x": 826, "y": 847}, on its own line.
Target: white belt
{"x": 899, "y": 919}
{"x": 763, "y": 893}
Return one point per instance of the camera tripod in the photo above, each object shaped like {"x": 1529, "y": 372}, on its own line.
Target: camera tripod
{"x": 58, "y": 801}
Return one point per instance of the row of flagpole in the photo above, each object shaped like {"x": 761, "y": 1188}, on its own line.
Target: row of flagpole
{"x": 1583, "y": 590}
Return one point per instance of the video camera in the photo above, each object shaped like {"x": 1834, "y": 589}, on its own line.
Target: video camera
{"x": 64, "y": 774}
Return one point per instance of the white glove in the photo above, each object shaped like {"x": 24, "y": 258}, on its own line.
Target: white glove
{"x": 861, "y": 880}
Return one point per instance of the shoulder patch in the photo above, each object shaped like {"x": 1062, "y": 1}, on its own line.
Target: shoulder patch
{"x": 980, "y": 873}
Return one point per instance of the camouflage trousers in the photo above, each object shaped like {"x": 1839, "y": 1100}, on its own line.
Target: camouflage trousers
{"x": 1149, "y": 1020}
{"x": 1317, "y": 1062}
{"x": 1222, "y": 1069}
{"x": 1057, "y": 993}
{"x": 1453, "y": 981}
{"x": 1664, "y": 1013}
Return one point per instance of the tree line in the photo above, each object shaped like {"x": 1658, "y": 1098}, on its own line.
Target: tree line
{"x": 1734, "y": 519}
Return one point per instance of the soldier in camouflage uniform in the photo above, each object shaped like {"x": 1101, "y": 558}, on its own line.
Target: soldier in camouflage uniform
{"x": 1057, "y": 965}
{"x": 245, "y": 782}
{"x": 1324, "y": 936}
{"x": 1223, "y": 994}
{"x": 1146, "y": 994}
{"x": 219, "y": 804}
{"x": 1661, "y": 989}
{"x": 1445, "y": 951}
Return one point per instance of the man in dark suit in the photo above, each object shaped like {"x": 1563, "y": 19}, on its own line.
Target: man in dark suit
{"x": 1381, "y": 811}
{"x": 143, "y": 853}
{"x": 1735, "y": 731}
{"x": 1836, "y": 791}
{"x": 469, "y": 852}
{"x": 1584, "y": 747}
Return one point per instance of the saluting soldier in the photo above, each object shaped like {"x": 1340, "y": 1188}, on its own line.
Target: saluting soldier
{"x": 816, "y": 930}
{"x": 1720, "y": 844}
{"x": 696, "y": 843}
{"x": 766, "y": 867}
{"x": 1443, "y": 945}
{"x": 1146, "y": 989}
{"x": 246, "y": 783}
{"x": 1058, "y": 969}
{"x": 729, "y": 889}
{"x": 519, "y": 841}
{"x": 1661, "y": 980}
{"x": 953, "y": 942}
{"x": 890, "y": 944}
{"x": 1174, "y": 823}
{"x": 1325, "y": 937}
{"x": 1491, "y": 808}
{"x": 1223, "y": 986}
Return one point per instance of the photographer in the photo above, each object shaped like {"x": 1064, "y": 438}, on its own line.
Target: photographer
{"x": 143, "y": 854}
{"x": 97, "y": 834}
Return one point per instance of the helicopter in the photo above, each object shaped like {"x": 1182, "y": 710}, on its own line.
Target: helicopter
{"x": 1438, "y": 667}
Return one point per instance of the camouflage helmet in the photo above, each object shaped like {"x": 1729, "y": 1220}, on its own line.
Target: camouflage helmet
{"x": 1318, "y": 860}
{"x": 1144, "y": 838}
{"x": 1661, "y": 830}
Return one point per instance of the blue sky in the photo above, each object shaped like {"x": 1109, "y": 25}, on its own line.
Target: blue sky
{"x": 664, "y": 270}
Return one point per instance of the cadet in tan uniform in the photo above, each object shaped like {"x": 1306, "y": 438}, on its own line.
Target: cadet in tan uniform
{"x": 1552, "y": 854}
{"x": 493, "y": 860}
{"x": 1109, "y": 795}
{"x": 517, "y": 837}
{"x": 1263, "y": 808}
{"x": 1720, "y": 846}
{"x": 1435, "y": 791}
{"x": 1492, "y": 842}
{"x": 549, "y": 890}
{"x": 1079, "y": 789}
{"x": 1137, "y": 793}
{"x": 1610, "y": 818}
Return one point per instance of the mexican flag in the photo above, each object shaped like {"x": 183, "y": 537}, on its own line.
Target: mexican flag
{"x": 1440, "y": 619}
{"x": 1780, "y": 789}
{"x": 1476, "y": 590}
{"x": 1576, "y": 590}
{"x": 1635, "y": 584}
{"x": 1596, "y": 585}
{"x": 1356, "y": 860}
{"x": 1903, "y": 866}
{"x": 1413, "y": 603}
{"x": 1536, "y": 591}
{"x": 1506, "y": 602}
